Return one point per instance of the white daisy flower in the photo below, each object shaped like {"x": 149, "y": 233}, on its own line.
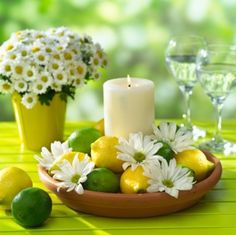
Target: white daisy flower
{"x": 60, "y": 77}
{"x": 68, "y": 56}
{"x": 6, "y": 68}
{"x": 29, "y": 100}
{"x": 72, "y": 175}
{"x": 168, "y": 178}
{"x": 179, "y": 139}
{"x": 78, "y": 82}
{"x": 45, "y": 77}
{"x": 41, "y": 58}
{"x": 5, "y": 87}
{"x": 56, "y": 87}
{"x": 20, "y": 85}
{"x": 81, "y": 69}
{"x": 47, "y": 158}
{"x": 95, "y": 61}
{"x": 96, "y": 76}
{"x": 54, "y": 65}
{"x": 18, "y": 71}
{"x": 30, "y": 73}
{"x": 138, "y": 150}
{"x": 39, "y": 87}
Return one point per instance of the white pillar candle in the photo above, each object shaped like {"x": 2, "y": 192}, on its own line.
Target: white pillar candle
{"x": 129, "y": 106}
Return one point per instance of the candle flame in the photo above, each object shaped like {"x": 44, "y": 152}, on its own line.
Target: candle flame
{"x": 128, "y": 80}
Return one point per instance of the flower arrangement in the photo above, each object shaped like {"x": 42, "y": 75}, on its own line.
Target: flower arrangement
{"x": 40, "y": 64}
{"x": 141, "y": 157}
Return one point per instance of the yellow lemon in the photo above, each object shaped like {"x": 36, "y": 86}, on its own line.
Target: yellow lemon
{"x": 12, "y": 181}
{"x": 100, "y": 126}
{"x": 104, "y": 153}
{"x": 133, "y": 181}
{"x": 67, "y": 156}
{"x": 196, "y": 160}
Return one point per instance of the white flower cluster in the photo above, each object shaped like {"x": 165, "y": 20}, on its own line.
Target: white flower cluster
{"x": 33, "y": 62}
{"x": 140, "y": 150}
{"x": 70, "y": 174}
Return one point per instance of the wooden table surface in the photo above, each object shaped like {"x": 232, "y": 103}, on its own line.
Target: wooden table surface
{"x": 214, "y": 214}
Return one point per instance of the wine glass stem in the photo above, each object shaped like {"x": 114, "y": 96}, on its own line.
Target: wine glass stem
{"x": 219, "y": 107}
{"x": 188, "y": 109}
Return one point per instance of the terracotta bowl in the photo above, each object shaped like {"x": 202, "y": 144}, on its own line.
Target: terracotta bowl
{"x": 133, "y": 205}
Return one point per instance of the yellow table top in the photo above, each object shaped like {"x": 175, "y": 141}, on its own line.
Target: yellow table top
{"x": 214, "y": 214}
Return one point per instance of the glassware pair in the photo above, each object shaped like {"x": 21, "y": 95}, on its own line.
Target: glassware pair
{"x": 190, "y": 60}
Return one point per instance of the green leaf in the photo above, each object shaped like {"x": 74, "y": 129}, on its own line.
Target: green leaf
{"x": 47, "y": 97}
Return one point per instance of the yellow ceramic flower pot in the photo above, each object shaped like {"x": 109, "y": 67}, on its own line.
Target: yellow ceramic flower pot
{"x": 40, "y": 125}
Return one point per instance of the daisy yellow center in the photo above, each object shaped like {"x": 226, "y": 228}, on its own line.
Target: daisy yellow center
{"x": 99, "y": 53}
{"x": 75, "y": 178}
{"x": 13, "y": 56}
{"x": 72, "y": 72}
{"x": 29, "y": 99}
{"x": 55, "y": 66}
{"x": 59, "y": 77}
{"x": 18, "y": 69}
{"x": 21, "y": 85}
{"x": 168, "y": 183}
{"x": 24, "y": 53}
{"x": 7, "y": 68}
{"x": 35, "y": 49}
{"x": 30, "y": 73}
{"x": 41, "y": 57}
{"x": 6, "y": 86}
{"x": 80, "y": 70}
{"x": 104, "y": 63}
{"x": 67, "y": 56}
{"x": 39, "y": 36}
{"x": 9, "y": 47}
{"x": 139, "y": 156}
{"x": 44, "y": 78}
{"x": 48, "y": 50}
{"x": 40, "y": 87}
{"x": 96, "y": 61}
{"x": 56, "y": 56}
{"x": 78, "y": 81}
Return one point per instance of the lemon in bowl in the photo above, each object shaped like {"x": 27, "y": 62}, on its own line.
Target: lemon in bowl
{"x": 197, "y": 161}
{"x": 104, "y": 153}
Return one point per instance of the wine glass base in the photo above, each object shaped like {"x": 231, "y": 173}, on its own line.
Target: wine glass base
{"x": 219, "y": 146}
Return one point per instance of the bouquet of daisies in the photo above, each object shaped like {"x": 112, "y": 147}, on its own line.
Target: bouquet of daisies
{"x": 40, "y": 64}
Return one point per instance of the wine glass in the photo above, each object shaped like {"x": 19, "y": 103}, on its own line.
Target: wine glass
{"x": 216, "y": 71}
{"x": 181, "y": 60}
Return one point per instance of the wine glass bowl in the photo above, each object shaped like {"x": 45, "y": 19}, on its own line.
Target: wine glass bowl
{"x": 181, "y": 55}
{"x": 216, "y": 71}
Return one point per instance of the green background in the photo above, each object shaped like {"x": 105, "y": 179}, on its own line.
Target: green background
{"x": 134, "y": 33}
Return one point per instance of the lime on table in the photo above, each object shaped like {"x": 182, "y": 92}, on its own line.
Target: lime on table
{"x": 196, "y": 160}
{"x": 80, "y": 140}
{"x": 104, "y": 153}
{"x": 12, "y": 181}
{"x": 102, "y": 180}
{"x": 31, "y": 207}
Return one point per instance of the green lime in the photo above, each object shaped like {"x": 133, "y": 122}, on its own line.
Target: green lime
{"x": 165, "y": 151}
{"x": 31, "y": 207}
{"x": 80, "y": 140}
{"x": 102, "y": 180}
